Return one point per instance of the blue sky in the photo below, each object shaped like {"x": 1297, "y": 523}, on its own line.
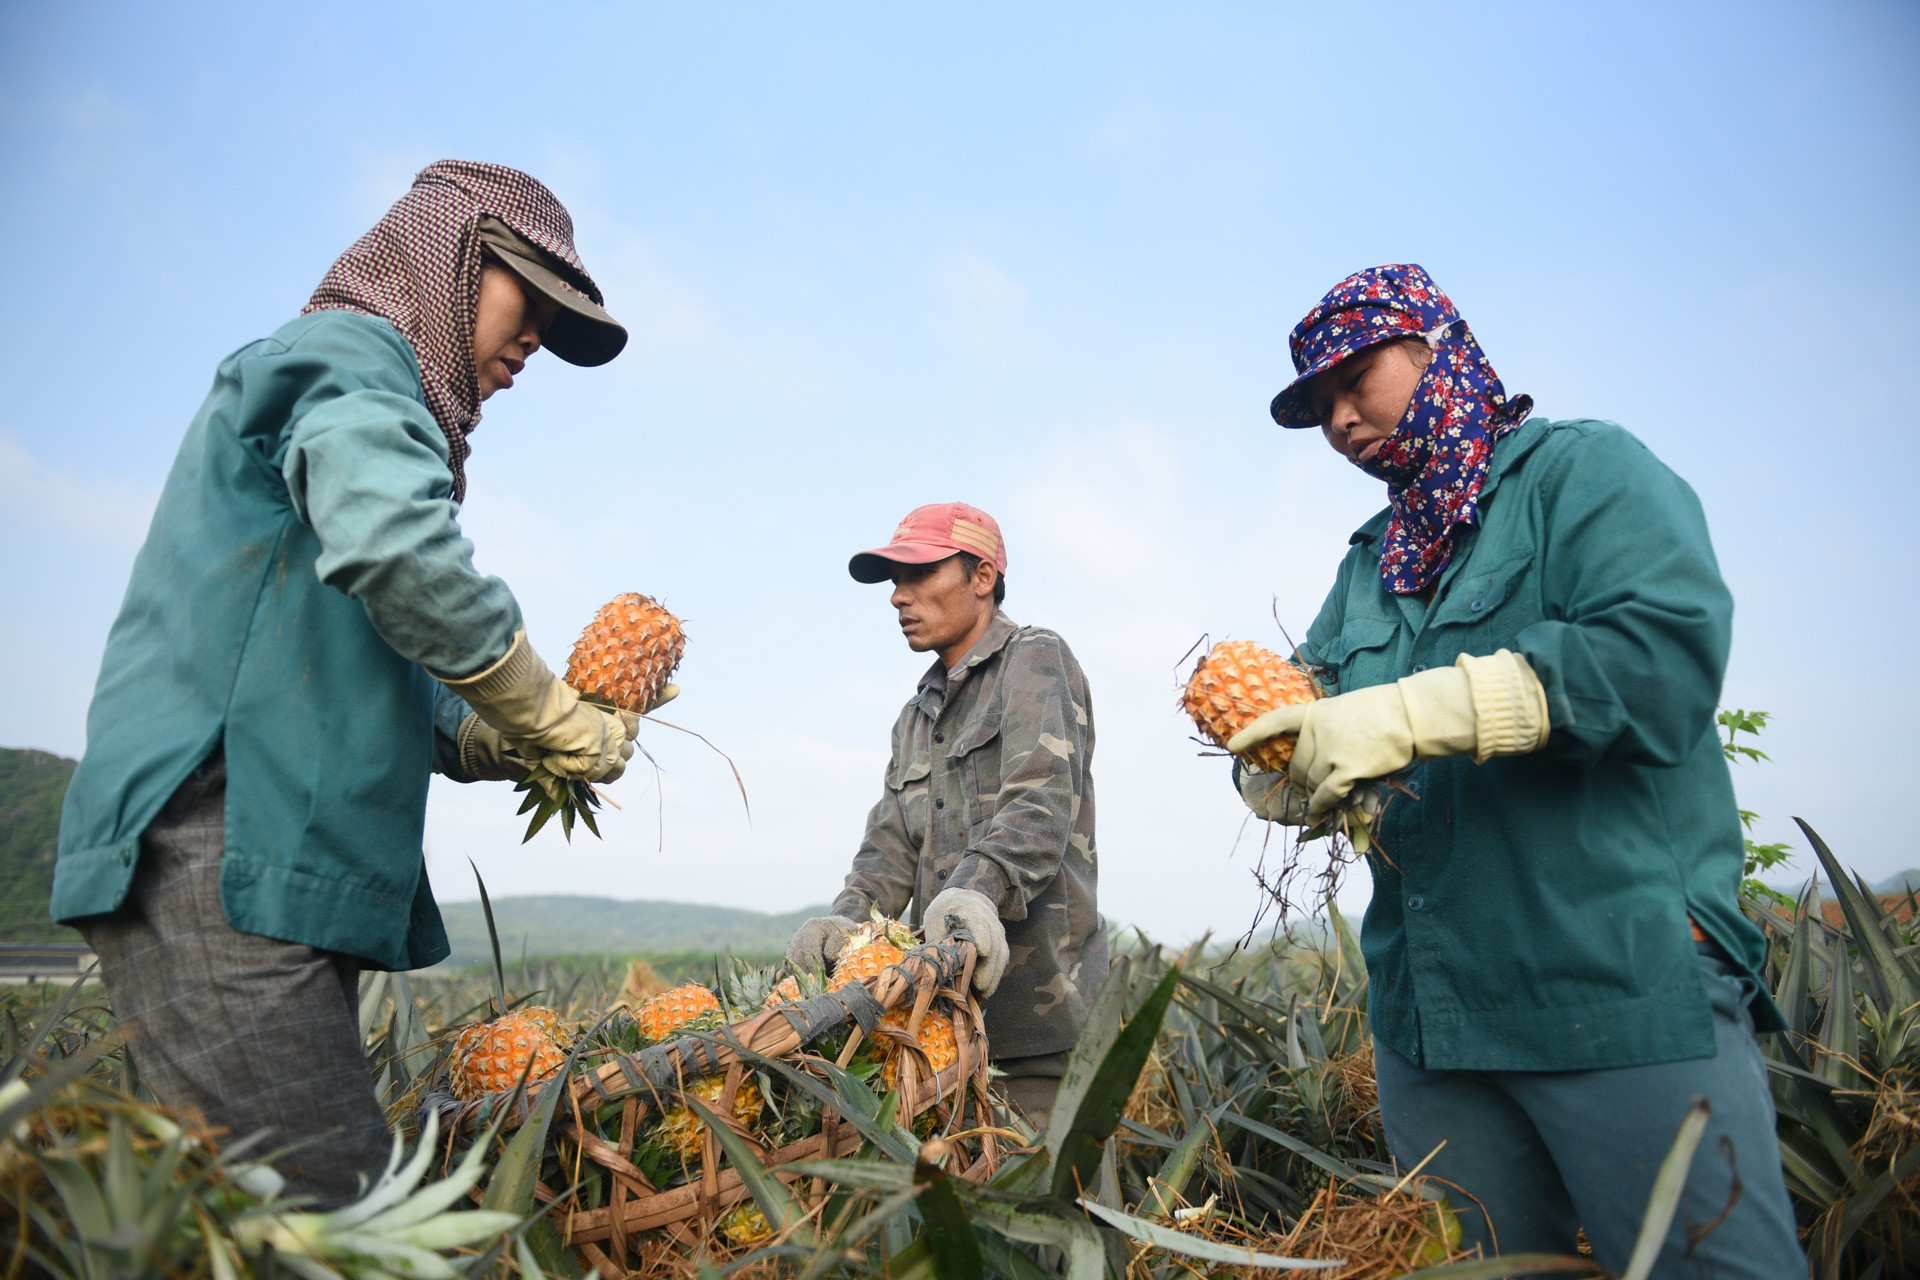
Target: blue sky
{"x": 1040, "y": 258}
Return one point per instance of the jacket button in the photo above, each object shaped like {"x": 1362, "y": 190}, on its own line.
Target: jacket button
{"x": 939, "y": 804}
{"x": 939, "y": 875}
{"x": 1477, "y": 605}
{"x": 1418, "y": 668}
{"x": 939, "y": 737}
{"x": 1416, "y": 902}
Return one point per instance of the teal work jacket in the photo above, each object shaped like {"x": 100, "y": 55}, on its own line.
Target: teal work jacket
{"x": 1530, "y": 913}
{"x": 304, "y": 569}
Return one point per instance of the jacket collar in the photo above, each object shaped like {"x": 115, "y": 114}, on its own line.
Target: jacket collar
{"x": 1508, "y": 450}
{"x": 939, "y": 680}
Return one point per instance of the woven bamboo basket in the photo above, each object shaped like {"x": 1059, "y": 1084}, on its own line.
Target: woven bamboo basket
{"x": 616, "y": 1219}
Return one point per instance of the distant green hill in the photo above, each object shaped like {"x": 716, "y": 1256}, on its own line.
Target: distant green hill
{"x": 32, "y": 784}
{"x": 569, "y": 925}
{"x": 1905, "y": 882}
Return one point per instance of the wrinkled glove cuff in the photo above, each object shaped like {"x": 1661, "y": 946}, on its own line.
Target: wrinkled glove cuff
{"x": 1509, "y": 704}
{"x": 488, "y": 684}
{"x": 486, "y": 761}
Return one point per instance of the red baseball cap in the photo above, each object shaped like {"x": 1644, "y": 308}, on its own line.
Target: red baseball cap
{"x": 933, "y": 533}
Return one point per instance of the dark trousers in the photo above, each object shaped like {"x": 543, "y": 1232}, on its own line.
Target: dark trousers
{"x": 1031, "y": 1084}
{"x": 253, "y": 1033}
{"x": 1548, "y": 1152}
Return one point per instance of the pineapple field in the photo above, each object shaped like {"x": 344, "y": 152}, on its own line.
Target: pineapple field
{"x": 1218, "y": 1118}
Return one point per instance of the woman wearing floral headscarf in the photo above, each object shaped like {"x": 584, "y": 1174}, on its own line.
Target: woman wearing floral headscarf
{"x": 304, "y": 638}
{"x": 1530, "y": 640}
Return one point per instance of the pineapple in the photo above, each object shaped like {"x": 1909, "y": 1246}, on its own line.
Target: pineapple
{"x": 669, "y": 1011}
{"x": 1235, "y": 683}
{"x": 785, "y": 991}
{"x": 489, "y": 1057}
{"x": 744, "y": 1226}
{"x": 623, "y": 660}
{"x": 871, "y": 948}
{"x": 936, "y": 1040}
{"x": 627, "y": 654}
{"x": 682, "y": 1130}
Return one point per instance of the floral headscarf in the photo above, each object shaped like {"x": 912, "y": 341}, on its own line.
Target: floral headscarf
{"x": 1436, "y": 459}
{"x": 419, "y": 269}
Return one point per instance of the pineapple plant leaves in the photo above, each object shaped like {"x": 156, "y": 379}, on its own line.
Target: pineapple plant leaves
{"x": 1177, "y": 1170}
{"x": 1668, "y": 1185}
{"x": 1078, "y": 1147}
{"x": 1199, "y": 1246}
{"x": 1893, "y": 981}
{"x": 783, "y": 1213}
{"x": 951, "y": 1242}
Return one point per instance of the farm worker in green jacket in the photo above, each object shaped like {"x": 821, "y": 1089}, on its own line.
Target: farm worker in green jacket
{"x": 303, "y": 640}
{"x": 1529, "y": 643}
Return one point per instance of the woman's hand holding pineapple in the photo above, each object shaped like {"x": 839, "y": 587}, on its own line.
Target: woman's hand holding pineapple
{"x": 534, "y": 714}
{"x": 1479, "y": 707}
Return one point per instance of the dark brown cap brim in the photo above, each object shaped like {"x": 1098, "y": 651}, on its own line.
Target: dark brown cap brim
{"x": 582, "y": 333}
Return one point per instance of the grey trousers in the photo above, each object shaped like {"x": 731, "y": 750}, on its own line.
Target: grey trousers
{"x": 253, "y": 1033}
{"x": 1549, "y": 1152}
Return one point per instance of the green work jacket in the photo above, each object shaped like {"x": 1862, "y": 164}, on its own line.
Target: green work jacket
{"x": 1530, "y": 913}
{"x": 304, "y": 569}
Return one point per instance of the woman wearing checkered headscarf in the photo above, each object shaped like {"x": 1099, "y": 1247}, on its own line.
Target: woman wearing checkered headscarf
{"x": 1525, "y": 651}
{"x": 304, "y": 639}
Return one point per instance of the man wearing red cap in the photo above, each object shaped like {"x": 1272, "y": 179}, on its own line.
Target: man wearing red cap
{"x": 986, "y": 823}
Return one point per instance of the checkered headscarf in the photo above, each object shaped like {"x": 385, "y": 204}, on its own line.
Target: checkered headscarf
{"x": 419, "y": 269}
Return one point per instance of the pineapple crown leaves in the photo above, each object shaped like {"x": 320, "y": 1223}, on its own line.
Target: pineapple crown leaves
{"x": 397, "y": 1227}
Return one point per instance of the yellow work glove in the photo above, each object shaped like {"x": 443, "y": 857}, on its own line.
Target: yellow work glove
{"x": 543, "y": 721}
{"x": 1480, "y": 707}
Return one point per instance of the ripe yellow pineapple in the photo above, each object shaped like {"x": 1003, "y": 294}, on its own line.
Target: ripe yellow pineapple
{"x": 682, "y": 1130}
{"x": 488, "y": 1057}
{"x": 1237, "y": 682}
{"x": 935, "y": 1039}
{"x": 871, "y": 948}
{"x": 623, "y": 659}
{"x": 744, "y": 1226}
{"x": 667, "y": 1012}
{"x": 627, "y": 653}
{"x": 785, "y": 991}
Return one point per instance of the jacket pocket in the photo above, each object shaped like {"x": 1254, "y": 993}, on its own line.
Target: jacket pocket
{"x": 977, "y": 761}
{"x": 899, "y": 776}
{"x": 1478, "y": 595}
{"x": 1358, "y": 655}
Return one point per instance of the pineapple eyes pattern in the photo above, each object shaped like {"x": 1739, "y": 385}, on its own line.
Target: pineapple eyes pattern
{"x": 627, "y": 653}
{"x": 1237, "y": 682}
{"x": 1436, "y": 459}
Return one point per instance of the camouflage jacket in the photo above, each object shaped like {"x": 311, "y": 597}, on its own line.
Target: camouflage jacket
{"x": 998, "y": 753}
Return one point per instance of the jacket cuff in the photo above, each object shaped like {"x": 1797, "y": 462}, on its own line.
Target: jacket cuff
{"x": 851, "y": 905}
{"x": 987, "y": 877}
{"x": 1509, "y": 704}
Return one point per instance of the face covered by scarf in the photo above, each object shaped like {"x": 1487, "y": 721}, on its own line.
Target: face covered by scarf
{"x": 419, "y": 269}
{"x": 1436, "y": 459}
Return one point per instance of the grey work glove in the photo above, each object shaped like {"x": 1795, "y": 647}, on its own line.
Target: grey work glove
{"x": 818, "y": 941}
{"x": 542, "y": 720}
{"x": 484, "y": 755}
{"x": 970, "y": 914}
{"x": 1273, "y": 797}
